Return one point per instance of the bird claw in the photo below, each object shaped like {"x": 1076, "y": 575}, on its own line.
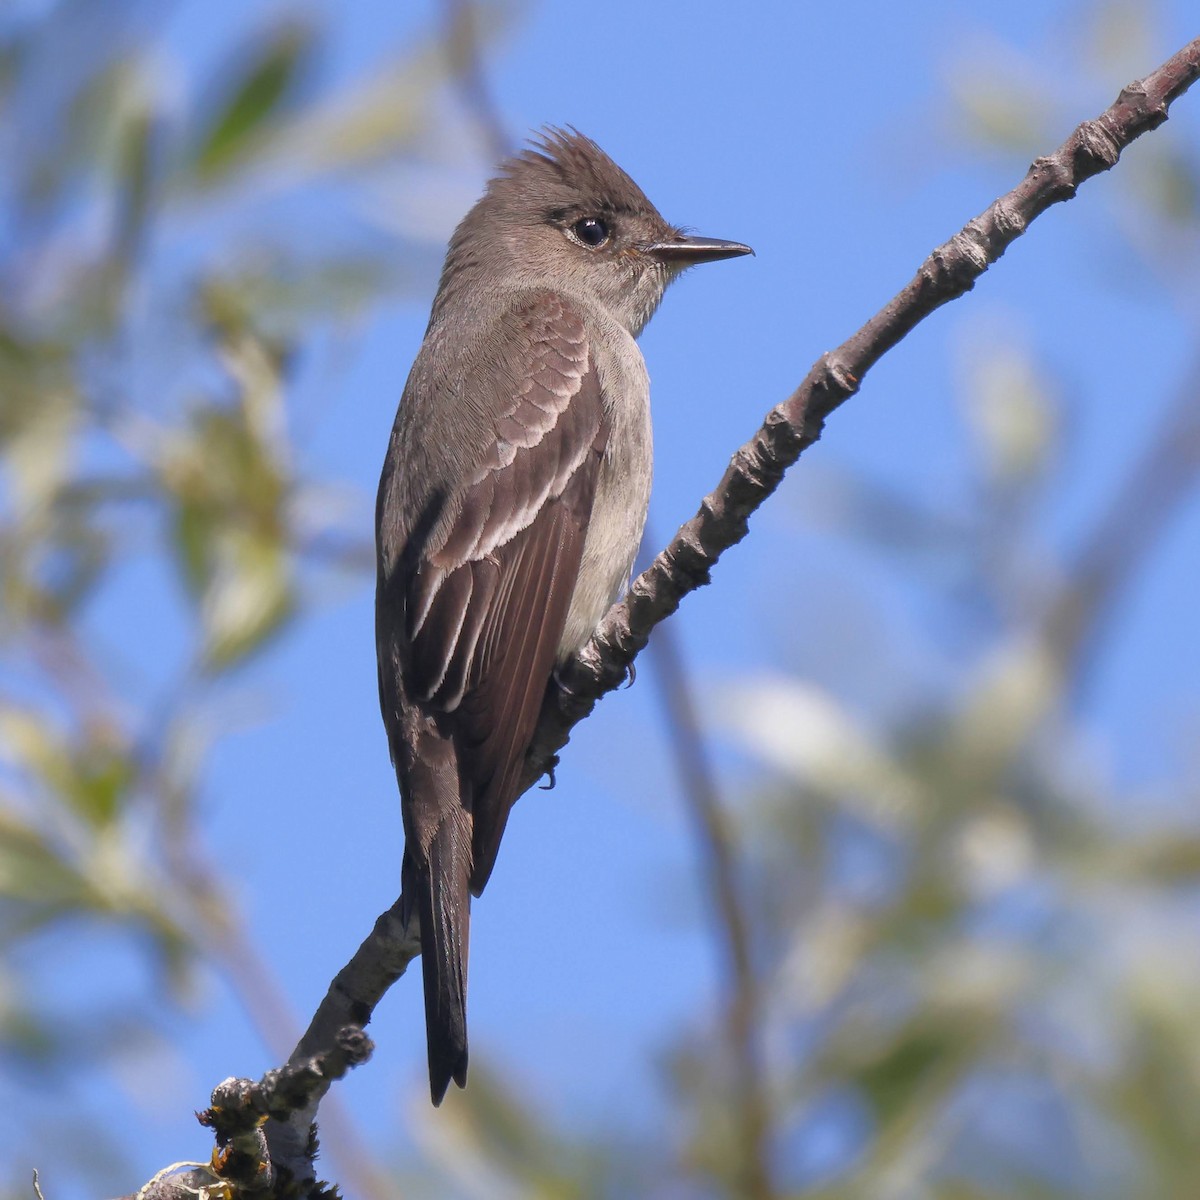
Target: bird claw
{"x": 552, "y": 781}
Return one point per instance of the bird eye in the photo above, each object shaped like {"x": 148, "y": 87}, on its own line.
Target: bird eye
{"x": 591, "y": 231}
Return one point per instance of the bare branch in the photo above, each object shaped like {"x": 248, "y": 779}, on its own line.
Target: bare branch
{"x": 356, "y": 990}
{"x": 462, "y": 46}
{"x": 1151, "y": 494}
{"x": 758, "y": 467}
{"x": 239, "y": 1107}
{"x": 718, "y": 859}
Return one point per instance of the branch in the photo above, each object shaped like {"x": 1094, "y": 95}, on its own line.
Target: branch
{"x": 358, "y": 987}
{"x": 757, "y": 469}
{"x": 242, "y": 1164}
{"x": 462, "y": 47}
{"x": 1153, "y": 490}
{"x": 754, "y": 472}
{"x": 720, "y": 879}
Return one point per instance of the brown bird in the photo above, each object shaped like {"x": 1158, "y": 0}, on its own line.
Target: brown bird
{"x": 511, "y": 505}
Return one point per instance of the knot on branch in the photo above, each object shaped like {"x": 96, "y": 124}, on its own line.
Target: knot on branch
{"x": 1095, "y": 148}
{"x": 1136, "y": 95}
{"x": 240, "y": 1109}
{"x": 835, "y": 377}
{"x": 240, "y": 1106}
{"x": 1008, "y": 221}
{"x": 236, "y": 1108}
{"x": 687, "y": 560}
{"x": 1052, "y": 179}
{"x": 236, "y": 1117}
{"x": 954, "y": 266}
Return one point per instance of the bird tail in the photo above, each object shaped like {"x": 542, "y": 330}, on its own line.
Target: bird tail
{"x": 442, "y": 892}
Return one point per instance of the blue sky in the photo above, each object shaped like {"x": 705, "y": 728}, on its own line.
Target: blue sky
{"x": 825, "y": 137}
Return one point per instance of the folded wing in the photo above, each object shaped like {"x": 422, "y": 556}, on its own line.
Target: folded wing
{"x": 490, "y": 580}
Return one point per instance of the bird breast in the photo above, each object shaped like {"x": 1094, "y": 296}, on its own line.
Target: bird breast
{"x": 623, "y": 488}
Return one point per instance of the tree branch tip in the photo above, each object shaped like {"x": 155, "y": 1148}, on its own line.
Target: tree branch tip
{"x": 231, "y": 1099}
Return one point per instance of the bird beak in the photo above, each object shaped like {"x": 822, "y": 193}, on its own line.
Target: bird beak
{"x": 683, "y": 250}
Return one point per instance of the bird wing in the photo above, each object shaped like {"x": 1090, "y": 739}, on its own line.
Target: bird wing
{"x": 489, "y": 585}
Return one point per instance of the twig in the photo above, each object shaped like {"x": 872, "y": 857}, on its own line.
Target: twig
{"x": 462, "y": 48}
{"x": 1151, "y": 494}
{"x": 357, "y": 989}
{"x": 720, "y": 874}
{"x": 758, "y": 467}
{"x": 240, "y": 1108}
{"x": 244, "y": 1164}
{"x": 358, "y": 1171}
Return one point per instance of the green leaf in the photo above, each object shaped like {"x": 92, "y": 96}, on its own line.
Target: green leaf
{"x": 891, "y": 1080}
{"x": 256, "y": 98}
{"x": 230, "y": 480}
{"x": 102, "y": 778}
{"x": 92, "y": 775}
{"x": 249, "y": 595}
{"x": 34, "y": 872}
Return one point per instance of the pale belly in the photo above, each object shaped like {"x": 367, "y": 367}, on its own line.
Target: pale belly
{"x": 615, "y": 532}
{"x": 622, "y": 499}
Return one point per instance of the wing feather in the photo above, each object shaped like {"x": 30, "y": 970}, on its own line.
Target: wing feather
{"x": 490, "y": 580}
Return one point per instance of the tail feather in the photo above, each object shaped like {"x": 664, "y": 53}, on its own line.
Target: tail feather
{"x": 445, "y": 907}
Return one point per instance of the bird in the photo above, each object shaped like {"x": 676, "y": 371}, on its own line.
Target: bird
{"x": 512, "y": 501}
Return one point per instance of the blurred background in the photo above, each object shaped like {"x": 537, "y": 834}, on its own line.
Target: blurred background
{"x": 882, "y": 881}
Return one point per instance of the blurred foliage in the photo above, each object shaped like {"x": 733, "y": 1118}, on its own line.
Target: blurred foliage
{"x": 974, "y": 967}
{"x": 158, "y": 281}
{"x": 243, "y": 119}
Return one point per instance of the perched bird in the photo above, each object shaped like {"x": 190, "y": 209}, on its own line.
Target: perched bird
{"x": 511, "y": 504}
